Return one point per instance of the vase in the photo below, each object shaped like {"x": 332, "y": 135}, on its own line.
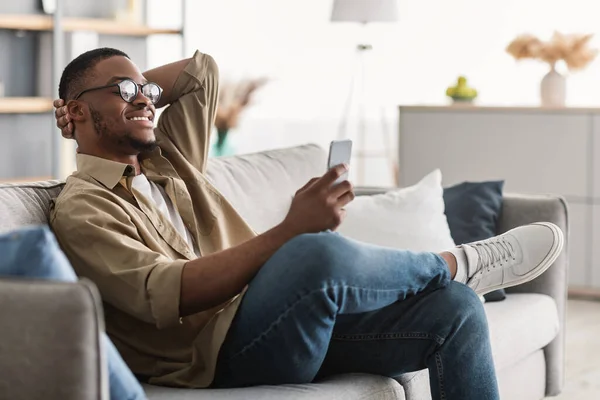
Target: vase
{"x": 222, "y": 146}
{"x": 553, "y": 89}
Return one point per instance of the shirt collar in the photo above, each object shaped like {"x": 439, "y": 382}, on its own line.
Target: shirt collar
{"x": 107, "y": 172}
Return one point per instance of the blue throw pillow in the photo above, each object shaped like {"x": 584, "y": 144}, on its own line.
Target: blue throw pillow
{"x": 472, "y": 210}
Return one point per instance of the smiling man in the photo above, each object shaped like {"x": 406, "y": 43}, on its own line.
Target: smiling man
{"x": 194, "y": 298}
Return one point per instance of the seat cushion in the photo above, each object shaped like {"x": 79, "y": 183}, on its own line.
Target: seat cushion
{"x": 520, "y": 325}
{"x": 340, "y": 387}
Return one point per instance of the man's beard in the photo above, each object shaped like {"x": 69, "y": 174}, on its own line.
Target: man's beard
{"x": 122, "y": 138}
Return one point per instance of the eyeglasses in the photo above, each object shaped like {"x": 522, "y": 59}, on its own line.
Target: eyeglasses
{"x": 129, "y": 90}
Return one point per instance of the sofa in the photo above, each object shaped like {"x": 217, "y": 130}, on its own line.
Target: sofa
{"x": 49, "y": 346}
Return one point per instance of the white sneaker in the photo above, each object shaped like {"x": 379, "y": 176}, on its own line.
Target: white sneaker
{"x": 513, "y": 258}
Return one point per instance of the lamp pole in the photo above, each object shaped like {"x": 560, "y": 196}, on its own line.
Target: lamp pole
{"x": 363, "y": 12}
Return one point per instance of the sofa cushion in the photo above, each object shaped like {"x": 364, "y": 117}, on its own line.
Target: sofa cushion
{"x": 261, "y": 186}
{"x": 520, "y": 325}
{"x": 340, "y": 387}
{"x": 524, "y": 380}
{"x": 26, "y": 204}
{"x": 473, "y": 209}
{"x": 411, "y": 218}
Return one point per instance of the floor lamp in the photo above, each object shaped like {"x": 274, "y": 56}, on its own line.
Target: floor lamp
{"x": 363, "y": 12}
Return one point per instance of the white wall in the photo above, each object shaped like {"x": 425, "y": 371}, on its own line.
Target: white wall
{"x": 310, "y": 60}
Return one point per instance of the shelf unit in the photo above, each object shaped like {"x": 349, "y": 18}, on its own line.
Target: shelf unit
{"x": 26, "y": 180}
{"x": 25, "y": 105}
{"x": 101, "y": 26}
{"x": 27, "y": 111}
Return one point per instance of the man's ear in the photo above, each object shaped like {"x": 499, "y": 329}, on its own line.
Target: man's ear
{"x": 77, "y": 111}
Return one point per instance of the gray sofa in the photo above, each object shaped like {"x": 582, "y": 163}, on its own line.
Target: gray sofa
{"x": 49, "y": 346}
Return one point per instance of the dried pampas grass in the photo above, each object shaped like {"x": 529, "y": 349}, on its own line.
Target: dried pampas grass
{"x": 233, "y": 98}
{"x": 524, "y": 46}
{"x": 573, "y": 49}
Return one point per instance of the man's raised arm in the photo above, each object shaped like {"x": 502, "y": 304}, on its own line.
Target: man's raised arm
{"x": 165, "y": 76}
{"x": 193, "y": 92}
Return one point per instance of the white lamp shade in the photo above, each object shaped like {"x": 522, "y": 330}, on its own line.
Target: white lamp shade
{"x": 365, "y": 11}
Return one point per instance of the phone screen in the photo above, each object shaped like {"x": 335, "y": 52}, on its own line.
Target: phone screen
{"x": 340, "y": 152}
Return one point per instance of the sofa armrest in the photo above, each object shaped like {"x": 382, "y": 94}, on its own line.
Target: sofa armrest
{"x": 524, "y": 209}
{"x": 519, "y": 210}
{"x": 50, "y": 345}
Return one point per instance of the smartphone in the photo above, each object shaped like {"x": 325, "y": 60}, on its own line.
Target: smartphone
{"x": 340, "y": 152}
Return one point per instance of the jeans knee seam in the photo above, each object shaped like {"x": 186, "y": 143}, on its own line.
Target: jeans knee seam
{"x": 388, "y": 336}
{"x": 440, "y": 372}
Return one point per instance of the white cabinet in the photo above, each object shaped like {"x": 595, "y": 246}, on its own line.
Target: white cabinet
{"x": 473, "y": 145}
{"x": 594, "y": 150}
{"x": 534, "y": 150}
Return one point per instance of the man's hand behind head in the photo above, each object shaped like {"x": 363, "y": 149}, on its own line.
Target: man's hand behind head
{"x": 319, "y": 205}
{"x": 63, "y": 122}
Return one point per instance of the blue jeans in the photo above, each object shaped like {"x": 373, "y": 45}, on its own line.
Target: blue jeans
{"x": 33, "y": 253}
{"x": 324, "y": 304}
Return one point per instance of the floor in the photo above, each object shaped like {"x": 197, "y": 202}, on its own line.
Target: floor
{"x": 583, "y": 351}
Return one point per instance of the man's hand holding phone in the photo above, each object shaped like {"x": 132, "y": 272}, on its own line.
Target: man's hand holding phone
{"x": 319, "y": 205}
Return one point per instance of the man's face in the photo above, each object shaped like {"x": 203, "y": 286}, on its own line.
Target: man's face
{"x": 117, "y": 124}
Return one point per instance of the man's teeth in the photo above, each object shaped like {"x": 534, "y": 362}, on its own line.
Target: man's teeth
{"x": 139, "y": 119}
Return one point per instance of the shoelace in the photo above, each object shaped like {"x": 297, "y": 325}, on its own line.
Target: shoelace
{"x": 493, "y": 253}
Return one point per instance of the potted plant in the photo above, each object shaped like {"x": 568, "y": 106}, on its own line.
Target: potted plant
{"x": 233, "y": 98}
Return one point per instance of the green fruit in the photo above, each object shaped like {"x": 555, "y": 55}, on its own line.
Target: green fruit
{"x": 461, "y": 91}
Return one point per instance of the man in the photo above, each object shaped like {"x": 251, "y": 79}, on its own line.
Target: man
{"x": 194, "y": 298}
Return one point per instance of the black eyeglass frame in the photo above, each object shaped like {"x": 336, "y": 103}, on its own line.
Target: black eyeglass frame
{"x": 138, "y": 88}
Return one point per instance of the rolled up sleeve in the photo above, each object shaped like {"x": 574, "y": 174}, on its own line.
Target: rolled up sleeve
{"x": 104, "y": 245}
{"x": 188, "y": 121}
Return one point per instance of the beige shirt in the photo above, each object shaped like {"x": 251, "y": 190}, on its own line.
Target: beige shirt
{"x": 114, "y": 236}
{"x": 161, "y": 200}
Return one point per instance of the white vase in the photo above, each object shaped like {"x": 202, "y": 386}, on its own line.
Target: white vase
{"x": 553, "y": 89}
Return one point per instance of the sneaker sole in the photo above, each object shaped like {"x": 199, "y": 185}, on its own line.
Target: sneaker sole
{"x": 552, "y": 255}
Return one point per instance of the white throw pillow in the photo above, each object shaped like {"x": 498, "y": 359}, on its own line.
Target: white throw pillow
{"x": 410, "y": 218}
